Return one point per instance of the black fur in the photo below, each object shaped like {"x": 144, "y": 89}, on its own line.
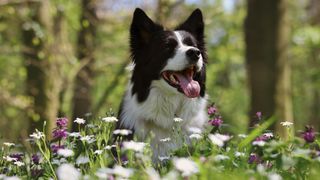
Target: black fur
{"x": 151, "y": 46}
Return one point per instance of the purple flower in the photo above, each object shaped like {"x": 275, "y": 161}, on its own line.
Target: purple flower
{"x": 264, "y": 137}
{"x": 216, "y": 122}
{"x": 254, "y": 158}
{"x": 212, "y": 110}
{"x": 56, "y": 147}
{"x": 258, "y": 115}
{"x": 35, "y": 159}
{"x": 124, "y": 159}
{"x": 62, "y": 122}
{"x": 17, "y": 156}
{"x": 59, "y": 133}
{"x": 35, "y": 172}
{"x": 309, "y": 135}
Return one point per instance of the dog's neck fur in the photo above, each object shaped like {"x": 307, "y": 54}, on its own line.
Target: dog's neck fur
{"x": 156, "y": 115}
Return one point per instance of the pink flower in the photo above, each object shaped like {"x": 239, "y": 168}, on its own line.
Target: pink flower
{"x": 254, "y": 158}
{"x": 216, "y": 122}
{"x": 62, "y": 122}
{"x": 309, "y": 135}
{"x": 55, "y": 147}
{"x": 212, "y": 110}
{"x": 59, "y": 133}
{"x": 258, "y": 115}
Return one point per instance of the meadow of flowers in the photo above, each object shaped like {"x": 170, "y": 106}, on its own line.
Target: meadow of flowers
{"x": 214, "y": 154}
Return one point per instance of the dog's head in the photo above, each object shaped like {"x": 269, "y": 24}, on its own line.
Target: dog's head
{"x": 175, "y": 58}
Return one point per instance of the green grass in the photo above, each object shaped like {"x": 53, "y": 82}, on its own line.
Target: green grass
{"x": 88, "y": 156}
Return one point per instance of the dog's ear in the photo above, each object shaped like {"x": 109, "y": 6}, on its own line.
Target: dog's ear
{"x": 194, "y": 25}
{"x": 142, "y": 28}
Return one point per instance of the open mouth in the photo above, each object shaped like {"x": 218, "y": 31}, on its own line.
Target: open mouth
{"x": 183, "y": 81}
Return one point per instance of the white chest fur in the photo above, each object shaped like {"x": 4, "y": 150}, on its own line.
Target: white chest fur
{"x": 156, "y": 116}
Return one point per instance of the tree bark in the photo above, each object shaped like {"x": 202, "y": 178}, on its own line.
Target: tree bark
{"x": 35, "y": 82}
{"x": 43, "y": 83}
{"x": 82, "y": 100}
{"x": 268, "y": 68}
{"x": 313, "y": 10}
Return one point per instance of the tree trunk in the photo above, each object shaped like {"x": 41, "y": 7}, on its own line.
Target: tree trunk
{"x": 43, "y": 81}
{"x": 85, "y": 52}
{"x": 314, "y": 15}
{"x": 267, "y": 63}
{"x": 33, "y": 54}
{"x": 313, "y": 10}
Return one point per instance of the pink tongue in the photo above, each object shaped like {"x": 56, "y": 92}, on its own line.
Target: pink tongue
{"x": 190, "y": 87}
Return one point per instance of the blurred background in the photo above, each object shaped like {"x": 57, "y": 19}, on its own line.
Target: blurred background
{"x": 69, "y": 57}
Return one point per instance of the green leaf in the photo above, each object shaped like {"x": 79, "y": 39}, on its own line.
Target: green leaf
{"x": 256, "y": 132}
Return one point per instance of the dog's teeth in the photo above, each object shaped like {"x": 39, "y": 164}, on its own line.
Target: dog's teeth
{"x": 172, "y": 79}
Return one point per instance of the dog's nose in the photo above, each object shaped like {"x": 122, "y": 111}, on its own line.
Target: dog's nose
{"x": 193, "y": 55}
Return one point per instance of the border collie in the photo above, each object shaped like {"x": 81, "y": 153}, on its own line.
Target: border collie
{"x": 167, "y": 82}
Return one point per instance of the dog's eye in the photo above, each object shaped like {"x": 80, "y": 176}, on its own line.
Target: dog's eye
{"x": 171, "y": 43}
{"x": 188, "y": 41}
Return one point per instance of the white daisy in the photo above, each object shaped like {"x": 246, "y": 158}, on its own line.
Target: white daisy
{"x": 98, "y": 152}
{"x": 37, "y": 135}
{"x": 110, "y": 119}
{"x": 121, "y": 171}
{"x": 79, "y": 121}
{"x": 177, "y": 119}
{"x": 65, "y": 152}
{"x": 195, "y": 130}
{"x": 195, "y": 136}
{"x": 8, "y": 144}
{"x": 68, "y": 172}
{"x": 286, "y": 123}
{"x": 88, "y": 138}
{"x": 239, "y": 154}
{"x": 163, "y": 158}
{"x": 186, "y": 166}
{"x": 9, "y": 159}
{"x": 10, "y": 178}
{"x": 274, "y": 176}
{"x": 135, "y": 146}
{"x": 75, "y": 134}
{"x": 242, "y": 135}
{"x": 259, "y": 143}
{"x": 19, "y": 163}
{"x": 103, "y": 173}
{"x": 165, "y": 139}
{"x": 82, "y": 160}
{"x": 219, "y": 139}
{"x": 123, "y": 132}
{"x": 220, "y": 157}
{"x": 108, "y": 147}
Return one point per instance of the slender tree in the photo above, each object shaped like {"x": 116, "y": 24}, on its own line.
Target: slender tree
{"x": 266, "y": 36}
{"x": 43, "y": 83}
{"x": 313, "y": 10}
{"x": 35, "y": 82}
{"x": 82, "y": 100}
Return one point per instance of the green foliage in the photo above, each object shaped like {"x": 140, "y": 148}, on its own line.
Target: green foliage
{"x": 226, "y": 80}
{"x": 88, "y": 154}
{"x": 256, "y": 132}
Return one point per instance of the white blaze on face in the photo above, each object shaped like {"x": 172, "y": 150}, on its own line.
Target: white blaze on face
{"x": 180, "y": 61}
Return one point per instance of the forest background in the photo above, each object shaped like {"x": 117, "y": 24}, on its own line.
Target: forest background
{"x": 69, "y": 57}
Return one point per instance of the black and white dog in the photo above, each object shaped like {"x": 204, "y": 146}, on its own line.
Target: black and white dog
{"x": 167, "y": 82}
